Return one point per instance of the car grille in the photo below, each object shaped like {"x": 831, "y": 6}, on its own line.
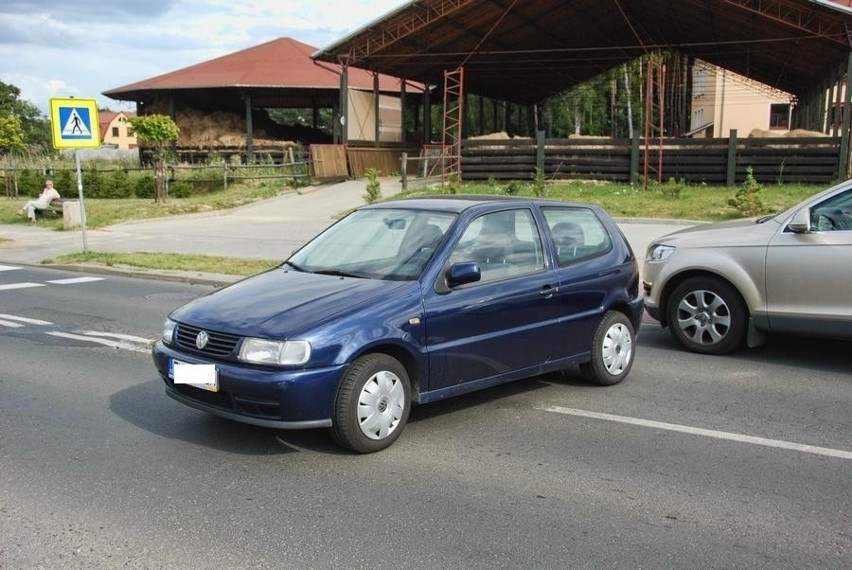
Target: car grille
{"x": 220, "y": 344}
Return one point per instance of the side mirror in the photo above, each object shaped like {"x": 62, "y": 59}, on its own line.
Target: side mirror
{"x": 463, "y": 273}
{"x": 801, "y": 221}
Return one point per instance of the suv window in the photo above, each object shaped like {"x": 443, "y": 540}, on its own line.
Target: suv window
{"x": 834, "y": 214}
{"x": 577, "y": 234}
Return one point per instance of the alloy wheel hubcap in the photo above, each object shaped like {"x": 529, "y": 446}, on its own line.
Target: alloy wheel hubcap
{"x": 703, "y": 317}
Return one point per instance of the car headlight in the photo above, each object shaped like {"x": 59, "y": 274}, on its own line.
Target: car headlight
{"x": 262, "y": 351}
{"x": 659, "y": 252}
{"x": 169, "y": 331}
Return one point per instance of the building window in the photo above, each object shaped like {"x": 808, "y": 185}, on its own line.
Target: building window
{"x": 699, "y": 83}
{"x": 779, "y": 116}
{"x": 115, "y": 131}
{"x": 130, "y": 131}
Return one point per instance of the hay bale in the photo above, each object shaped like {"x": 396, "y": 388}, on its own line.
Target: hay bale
{"x": 803, "y": 133}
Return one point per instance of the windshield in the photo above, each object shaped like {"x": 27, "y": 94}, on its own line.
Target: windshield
{"x": 376, "y": 244}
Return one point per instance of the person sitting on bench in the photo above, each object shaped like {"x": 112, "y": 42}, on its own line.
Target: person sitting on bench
{"x": 41, "y": 203}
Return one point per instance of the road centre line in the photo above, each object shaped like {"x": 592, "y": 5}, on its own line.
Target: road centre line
{"x": 106, "y": 342}
{"x": 24, "y": 320}
{"x": 804, "y": 448}
{"x": 75, "y": 280}
{"x": 10, "y": 286}
{"x": 8, "y": 268}
{"x": 10, "y": 324}
{"x": 127, "y": 337}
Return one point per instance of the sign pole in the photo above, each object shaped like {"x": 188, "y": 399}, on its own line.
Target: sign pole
{"x": 80, "y": 196}
{"x": 74, "y": 125}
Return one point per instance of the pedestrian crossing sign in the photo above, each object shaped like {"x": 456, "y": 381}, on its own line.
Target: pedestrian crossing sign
{"x": 74, "y": 123}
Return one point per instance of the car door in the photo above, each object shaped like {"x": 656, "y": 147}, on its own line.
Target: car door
{"x": 586, "y": 268}
{"x": 809, "y": 275}
{"x": 503, "y": 323}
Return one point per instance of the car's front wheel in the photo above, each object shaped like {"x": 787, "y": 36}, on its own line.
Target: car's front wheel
{"x": 707, "y": 315}
{"x": 372, "y": 404}
{"x": 612, "y": 350}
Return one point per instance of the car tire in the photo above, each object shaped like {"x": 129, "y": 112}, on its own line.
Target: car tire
{"x": 372, "y": 404}
{"x": 707, "y": 315}
{"x": 612, "y": 350}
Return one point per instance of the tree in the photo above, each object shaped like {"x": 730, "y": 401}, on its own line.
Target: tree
{"x": 158, "y": 130}
{"x": 11, "y": 133}
{"x": 35, "y": 128}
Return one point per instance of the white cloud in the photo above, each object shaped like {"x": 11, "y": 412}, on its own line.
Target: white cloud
{"x": 56, "y": 48}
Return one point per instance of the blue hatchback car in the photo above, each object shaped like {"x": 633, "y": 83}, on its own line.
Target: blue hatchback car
{"x": 408, "y": 302}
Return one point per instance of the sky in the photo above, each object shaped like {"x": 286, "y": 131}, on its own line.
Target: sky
{"x": 81, "y": 48}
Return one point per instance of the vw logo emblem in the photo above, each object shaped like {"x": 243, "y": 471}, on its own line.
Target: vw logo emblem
{"x": 202, "y": 339}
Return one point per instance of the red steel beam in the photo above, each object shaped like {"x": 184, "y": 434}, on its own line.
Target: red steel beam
{"x": 796, "y": 15}
{"x": 409, "y": 22}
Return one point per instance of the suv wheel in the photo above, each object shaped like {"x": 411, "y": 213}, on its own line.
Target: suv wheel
{"x": 707, "y": 315}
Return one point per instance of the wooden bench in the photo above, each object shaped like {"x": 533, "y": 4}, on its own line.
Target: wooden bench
{"x": 53, "y": 209}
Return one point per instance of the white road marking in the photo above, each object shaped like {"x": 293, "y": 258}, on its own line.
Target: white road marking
{"x": 8, "y": 268}
{"x": 9, "y": 286}
{"x": 106, "y": 342}
{"x": 75, "y": 280}
{"x": 24, "y": 320}
{"x": 127, "y": 337}
{"x": 804, "y": 448}
{"x": 9, "y": 324}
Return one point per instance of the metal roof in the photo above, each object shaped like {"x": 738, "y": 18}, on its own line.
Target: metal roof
{"x": 527, "y": 50}
{"x": 279, "y": 73}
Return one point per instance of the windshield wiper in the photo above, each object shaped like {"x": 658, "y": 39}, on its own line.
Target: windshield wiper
{"x": 338, "y": 273}
{"x": 294, "y": 266}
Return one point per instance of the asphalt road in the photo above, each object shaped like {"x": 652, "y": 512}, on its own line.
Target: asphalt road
{"x": 747, "y": 465}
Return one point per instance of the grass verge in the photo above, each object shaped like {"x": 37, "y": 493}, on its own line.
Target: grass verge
{"x": 671, "y": 200}
{"x": 171, "y": 262}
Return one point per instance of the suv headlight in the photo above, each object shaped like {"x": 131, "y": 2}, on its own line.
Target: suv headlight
{"x": 659, "y": 252}
{"x": 262, "y": 351}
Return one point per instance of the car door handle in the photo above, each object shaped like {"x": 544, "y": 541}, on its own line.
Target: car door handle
{"x": 548, "y": 291}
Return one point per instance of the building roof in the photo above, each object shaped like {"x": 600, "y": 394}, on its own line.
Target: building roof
{"x": 528, "y": 50}
{"x": 278, "y": 73}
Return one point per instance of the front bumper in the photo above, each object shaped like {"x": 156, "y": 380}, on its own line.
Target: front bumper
{"x": 268, "y": 397}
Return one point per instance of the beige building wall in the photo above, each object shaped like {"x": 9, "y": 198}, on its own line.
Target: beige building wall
{"x": 118, "y": 132}
{"x": 723, "y": 101}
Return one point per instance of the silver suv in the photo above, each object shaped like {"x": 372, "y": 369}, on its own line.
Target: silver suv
{"x": 719, "y": 286}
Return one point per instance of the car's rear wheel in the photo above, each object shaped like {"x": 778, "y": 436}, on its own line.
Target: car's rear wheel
{"x": 372, "y": 404}
{"x": 612, "y": 350}
{"x": 707, "y": 315}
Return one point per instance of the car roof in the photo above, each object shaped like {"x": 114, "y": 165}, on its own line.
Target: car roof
{"x": 459, "y": 202}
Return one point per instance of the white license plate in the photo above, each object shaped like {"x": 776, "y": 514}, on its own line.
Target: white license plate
{"x": 204, "y": 376}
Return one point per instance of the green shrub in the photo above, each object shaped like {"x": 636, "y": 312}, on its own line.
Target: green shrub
{"x": 31, "y": 183}
{"x": 672, "y": 189}
{"x": 117, "y": 185}
{"x": 539, "y": 185}
{"x": 144, "y": 186}
{"x": 181, "y": 189}
{"x": 374, "y": 187}
{"x": 93, "y": 183}
{"x": 747, "y": 199}
{"x": 513, "y": 188}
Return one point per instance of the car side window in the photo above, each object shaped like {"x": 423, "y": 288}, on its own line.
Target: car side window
{"x": 834, "y": 214}
{"x": 577, "y": 234}
{"x": 503, "y": 244}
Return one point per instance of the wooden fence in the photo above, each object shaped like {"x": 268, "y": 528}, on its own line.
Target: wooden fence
{"x": 716, "y": 161}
